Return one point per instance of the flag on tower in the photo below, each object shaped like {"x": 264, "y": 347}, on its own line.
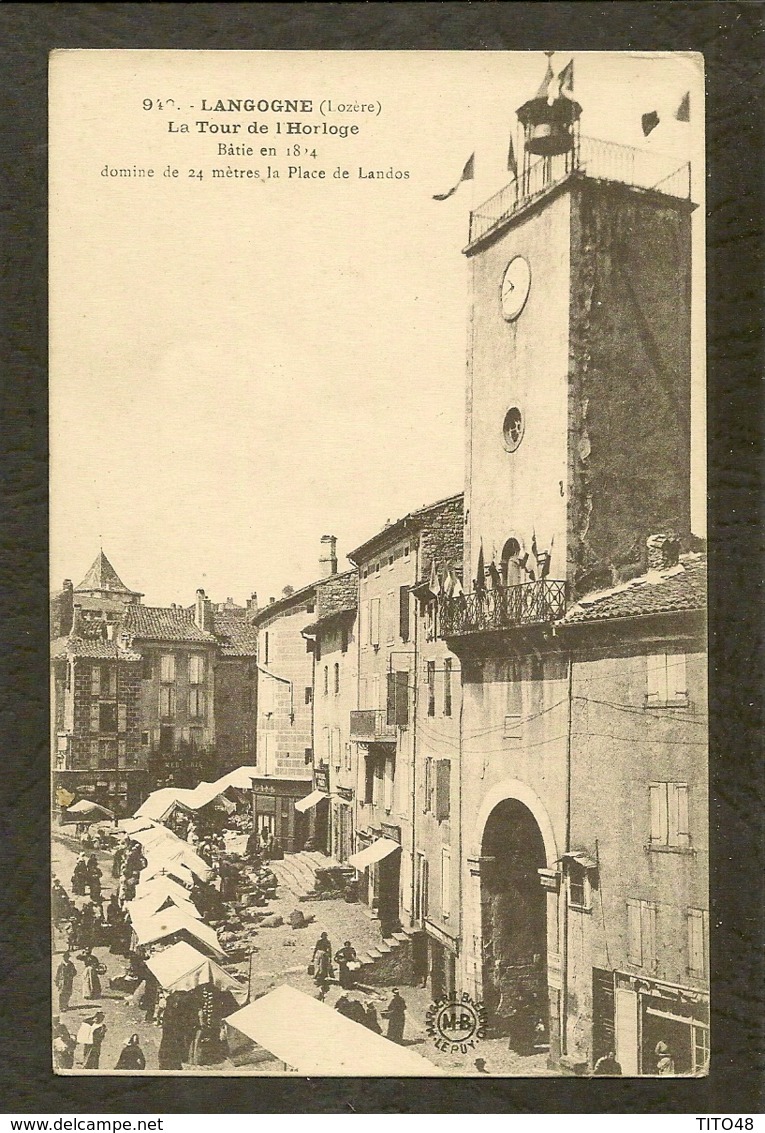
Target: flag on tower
{"x": 480, "y": 581}
{"x": 434, "y": 585}
{"x": 544, "y": 89}
{"x": 512, "y": 164}
{"x": 683, "y": 112}
{"x": 467, "y": 175}
{"x": 563, "y": 86}
{"x": 649, "y": 122}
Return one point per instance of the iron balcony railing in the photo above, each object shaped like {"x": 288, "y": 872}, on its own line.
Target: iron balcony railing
{"x": 370, "y": 725}
{"x": 590, "y": 157}
{"x": 530, "y": 603}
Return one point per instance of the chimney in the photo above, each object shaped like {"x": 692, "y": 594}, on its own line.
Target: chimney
{"x": 203, "y": 611}
{"x": 663, "y": 551}
{"x": 67, "y": 585}
{"x": 328, "y": 557}
{"x": 252, "y": 604}
{"x": 271, "y": 601}
{"x": 76, "y": 620}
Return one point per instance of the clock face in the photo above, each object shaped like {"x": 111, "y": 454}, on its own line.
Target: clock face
{"x": 515, "y": 288}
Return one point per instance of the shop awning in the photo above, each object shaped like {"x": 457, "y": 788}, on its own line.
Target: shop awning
{"x": 87, "y": 811}
{"x": 182, "y": 968}
{"x": 313, "y": 1038}
{"x": 580, "y": 858}
{"x": 374, "y": 853}
{"x": 171, "y": 921}
{"x": 309, "y": 801}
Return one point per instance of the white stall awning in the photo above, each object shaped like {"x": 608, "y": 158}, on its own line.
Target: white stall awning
{"x": 374, "y": 853}
{"x": 309, "y": 801}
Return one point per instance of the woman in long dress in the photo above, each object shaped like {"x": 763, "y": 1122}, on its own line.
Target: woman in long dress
{"x": 92, "y": 970}
{"x": 131, "y": 1056}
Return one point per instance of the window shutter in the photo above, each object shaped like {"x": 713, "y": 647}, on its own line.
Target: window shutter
{"x": 446, "y": 877}
{"x": 677, "y": 678}
{"x": 95, "y": 680}
{"x": 391, "y": 699}
{"x": 95, "y": 718}
{"x": 428, "y": 765}
{"x": 648, "y": 933}
{"x": 111, "y": 678}
{"x": 656, "y": 678}
{"x": 696, "y": 942}
{"x": 443, "y": 785}
{"x": 403, "y": 612}
{"x": 680, "y": 814}
{"x": 658, "y": 796}
{"x": 374, "y": 621}
{"x": 327, "y": 744}
{"x": 336, "y": 747}
{"x": 402, "y": 697}
{"x": 634, "y": 939}
{"x": 122, "y": 717}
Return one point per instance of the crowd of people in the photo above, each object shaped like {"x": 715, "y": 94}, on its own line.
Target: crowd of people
{"x": 322, "y": 969}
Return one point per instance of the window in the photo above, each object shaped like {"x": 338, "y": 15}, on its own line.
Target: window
{"x": 196, "y": 669}
{"x": 666, "y": 681}
{"x": 431, "y": 688}
{"x": 145, "y": 739}
{"x": 327, "y": 745}
{"x": 700, "y": 1048}
{"x": 641, "y": 934}
{"x": 108, "y": 680}
{"x": 512, "y": 428}
{"x": 447, "y": 687}
{"x": 337, "y": 678}
{"x": 95, "y": 718}
{"x": 344, "y": 639}
{"x": 326, "y": 679}
{"x": 398, "y": 698}
{"x": 107, "y": 718}
{"x": 195, "y": 739}
{"x": 95, "y": 680}
{"x": 403, "y": 612}
{"x": 107, "y": 753}
{"x": 446, "y": 878}
{"x": 167, "y": 667}
{"x": 369, "y": 779}
{"x": 430, "y": 785}
{"x": 388, "y": 777}
{"x": 374, "y": 621}
{"x": 390, "y": 616}
{"x": 348, "y": 764}
{"x": 196, "y": 702}
{"x": 697, "y": 943}
{"x": 122, "y": 717}
{"x": 443, "y": 788}
{"x": 93, "y": 750}
{"x": 308, "y": 694}
{"x": 669, "y": 815}
{"x": 167, "y": 701}
{"x": 579, "y": 894}
{"x": 336, "y": 748}
{"x": 166, "y": 739}
{"x": 147, "y": 667}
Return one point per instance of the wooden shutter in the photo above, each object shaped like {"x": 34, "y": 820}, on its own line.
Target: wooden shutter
{"x": 677, "y": 679}
{"x": 390, "y": 703}
{"x": 95, "y": 680}
{"x": 634, "y": 938}
{"x": 696, "y": 934}
{"x": 428, "y": 774}
{"x": 626, "y": 1028}
{"x": 403, "y": 612}
{"x": 679, "y": 804}
{"x": 648, "y": 933}
{"x": 656, "y": 678}
{"x": 122, "y": 717}
{"x": 95, "y": 718}
{"x": 336, "y": 746}
{"x": 446, "y": 880}
{"x": 374, "y": 621}
{"x": 111, "y": 679}
{"x": 659, "y": 816}
{"x": 443, "y": 786}
{"x": 402, "y": 697}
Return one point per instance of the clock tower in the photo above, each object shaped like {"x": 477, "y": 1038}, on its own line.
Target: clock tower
{"x": 578, "y": 406}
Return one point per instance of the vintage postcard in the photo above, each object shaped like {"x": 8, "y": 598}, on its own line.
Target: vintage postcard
{"x": 378, "y": 632}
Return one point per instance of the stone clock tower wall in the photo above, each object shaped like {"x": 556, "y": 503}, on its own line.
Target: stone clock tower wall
{"x": 598, "y": 362}
{"x": 522, "y": 363}
{"x": 629, "y": 402}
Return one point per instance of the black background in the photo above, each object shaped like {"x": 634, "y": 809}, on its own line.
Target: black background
{"x": 730, "y": 37}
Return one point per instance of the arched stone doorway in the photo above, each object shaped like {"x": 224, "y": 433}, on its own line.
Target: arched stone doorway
{"x": 510, "y": 569}
{"x": 514, "y": 923}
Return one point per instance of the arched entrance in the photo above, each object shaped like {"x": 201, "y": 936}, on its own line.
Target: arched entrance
{"x": 510, "y": 566}
{"x": 514, "y": 923}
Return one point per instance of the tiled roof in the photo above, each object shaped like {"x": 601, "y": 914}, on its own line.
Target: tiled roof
{"x": 238, "y": 637}
{"x": 95, "y": 648}
{"x": 415, "y": 520}
{"x": 337, "y": 594}
{"x": 164, "y": 623}
{"x": 682, "y": 587}
{"x": 103, "y": 576}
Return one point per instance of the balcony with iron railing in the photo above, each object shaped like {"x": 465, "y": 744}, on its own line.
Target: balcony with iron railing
{"x": 589, "y": 157}
{"x": 503, "y": 608}
{"x": 370, "y": 725}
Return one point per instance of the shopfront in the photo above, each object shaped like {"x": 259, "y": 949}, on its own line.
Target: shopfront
{"x": 273, "y": 810}
{"x": 648, "y": 1013}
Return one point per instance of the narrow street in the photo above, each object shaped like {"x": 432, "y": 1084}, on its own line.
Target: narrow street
{"x": 281, "y": 956}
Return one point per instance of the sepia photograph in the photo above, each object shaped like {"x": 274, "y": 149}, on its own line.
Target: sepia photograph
{"x": 378, "y": 623}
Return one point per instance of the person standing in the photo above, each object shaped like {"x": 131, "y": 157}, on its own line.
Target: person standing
{"x": 370, "y": 1019}
{"x": 131, "y": 1056}
{"x": 64, "y": 980}
{"x": 607, "y": 1066}
{"x": 92, "y": 971}
{"x": 92, "y": 1050}
{"x": 395, "y": 1013}
{"x": 665, "y": 1063}
{"x": 63, "y": 1046}
{"x": 344, "y": 957}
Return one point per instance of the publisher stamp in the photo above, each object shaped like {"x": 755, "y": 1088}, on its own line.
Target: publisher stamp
{"x": 456, "y": 1024}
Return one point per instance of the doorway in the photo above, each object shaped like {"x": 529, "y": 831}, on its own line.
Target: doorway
{"x": 514, "y": 924}
{"x": 388, "y": 872}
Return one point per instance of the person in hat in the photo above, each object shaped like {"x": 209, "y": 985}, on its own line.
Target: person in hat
{"x": 480, "y": 1065}
{"x": 395, "y": 1013}
{"x": 92, "y": 1049}
{"x": 131, "y": 1056}
{"x": 371, "y": 1022}
{"x": 80, "y": 876}
{"x": 63, "y": 1046}
{"x": 344, "y": 957}
{"x": 64, "y": 980}
{"x": 92, "y": 971}
{"x": 607, "y": 1066}
{"x": 665, "y": 1063}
